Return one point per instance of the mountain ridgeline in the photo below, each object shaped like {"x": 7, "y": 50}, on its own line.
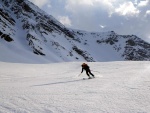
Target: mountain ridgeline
{"x": 28, "y": 34}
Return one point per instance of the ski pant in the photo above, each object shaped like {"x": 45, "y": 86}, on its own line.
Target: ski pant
{"x": 88, "y": 72}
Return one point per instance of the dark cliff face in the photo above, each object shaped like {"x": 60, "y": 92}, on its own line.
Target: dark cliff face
{"x": 6, "y": 22}
{"x": 23, "y": 22}
{"x": 30, "y": 19}
{"x": 134, "y": 48}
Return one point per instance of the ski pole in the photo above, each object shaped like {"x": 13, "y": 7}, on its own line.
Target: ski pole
{"x": 79, "y": 74}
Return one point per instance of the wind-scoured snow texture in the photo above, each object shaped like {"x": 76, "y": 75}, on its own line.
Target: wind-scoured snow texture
{"x": 29, "y": 35}
{"x": 119, "y": 87}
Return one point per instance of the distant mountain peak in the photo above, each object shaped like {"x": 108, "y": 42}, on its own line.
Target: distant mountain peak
{"x": 28, "y": 34}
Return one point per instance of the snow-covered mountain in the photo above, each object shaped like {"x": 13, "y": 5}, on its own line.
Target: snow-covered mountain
{"x": 29, "y": 35}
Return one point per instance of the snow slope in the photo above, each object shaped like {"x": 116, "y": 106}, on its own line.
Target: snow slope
{"x": 119, "y": 87}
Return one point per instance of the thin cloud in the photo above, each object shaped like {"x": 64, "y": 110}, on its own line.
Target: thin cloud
{"x": 65, "y": 20}
{"x": 143, "y": 3}
{"x": 40, "y": 3}
{"x": 122, "y": 16}
{"x": 127, "y": 8}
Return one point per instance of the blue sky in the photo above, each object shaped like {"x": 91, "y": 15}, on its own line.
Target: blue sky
{"x": 122, "y": 16}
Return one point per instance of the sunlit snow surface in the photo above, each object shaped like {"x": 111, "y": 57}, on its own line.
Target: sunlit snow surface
{"x": 119, "y": 87}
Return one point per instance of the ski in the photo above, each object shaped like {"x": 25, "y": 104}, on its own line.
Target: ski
{"x": 87, "y": 78}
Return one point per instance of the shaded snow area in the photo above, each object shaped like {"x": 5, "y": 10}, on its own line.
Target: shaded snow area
{"x": 119, "y": 87}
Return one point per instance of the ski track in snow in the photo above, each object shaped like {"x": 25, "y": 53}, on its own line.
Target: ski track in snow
{"x": 119, "y": 87}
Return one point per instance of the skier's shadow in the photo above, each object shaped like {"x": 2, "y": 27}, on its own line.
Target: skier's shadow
{"x": 55, "y": 83}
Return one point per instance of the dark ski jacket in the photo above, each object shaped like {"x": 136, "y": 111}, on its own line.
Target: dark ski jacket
{"x": 85, "y": 67}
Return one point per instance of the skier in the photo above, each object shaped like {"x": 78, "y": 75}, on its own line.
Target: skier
{"x": 87, "y": 69}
